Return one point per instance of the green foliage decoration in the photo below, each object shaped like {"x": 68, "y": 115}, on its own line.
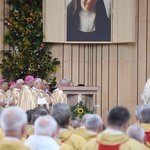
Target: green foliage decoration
{"x": 27, "y": 54}
{"x": 79, "y": 110}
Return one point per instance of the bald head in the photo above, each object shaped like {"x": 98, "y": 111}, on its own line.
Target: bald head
{"x": 45, "y": 125}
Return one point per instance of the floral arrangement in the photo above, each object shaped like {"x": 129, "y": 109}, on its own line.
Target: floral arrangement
{"x": 27, "y": 54}
{"x": 79, "y": 110}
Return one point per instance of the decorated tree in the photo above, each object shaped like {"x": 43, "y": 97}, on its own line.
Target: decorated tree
{"x": 27, "y": 54}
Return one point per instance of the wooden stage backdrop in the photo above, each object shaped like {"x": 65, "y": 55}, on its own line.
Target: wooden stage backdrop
{"x": 120, "y": 70}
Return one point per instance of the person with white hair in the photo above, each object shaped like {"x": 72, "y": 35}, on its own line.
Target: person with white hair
{"x": 136, "y": 132}
{"x": 26, "y": 99}
{"x": 45, "y": 129}
{"x": 13, "y": 123}
{"x": 145, "y": 124}
{"x": 138, "y": 110}
{"x": 62, "y": 114}
{"x": 58, "y": 96}
{"x": 36, "y": 90}
{"x": 94, "y": 126}
{"x": 16, "y": 91}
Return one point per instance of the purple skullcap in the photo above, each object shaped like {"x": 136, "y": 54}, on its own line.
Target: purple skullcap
{"x": 11, "y": 83}
{"x": 28, "y": 78}
{"x": 2, "y": 80}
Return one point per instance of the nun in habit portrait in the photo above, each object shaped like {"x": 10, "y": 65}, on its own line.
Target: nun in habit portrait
{"x": 87, "y": 20}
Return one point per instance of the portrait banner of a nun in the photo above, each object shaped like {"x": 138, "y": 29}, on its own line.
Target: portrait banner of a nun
{"x": 88, "y": 20}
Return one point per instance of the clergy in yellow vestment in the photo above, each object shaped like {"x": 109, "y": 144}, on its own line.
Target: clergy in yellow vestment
{"x": 12, "y": 144}
{"x": 61, "y": 112}
{"x": 136, "y": 132}
{"x": 3, "y": 95}
{"x": 45, "y": 128}
{"x": 64, "y": 146}
{"x": 44, "y": 93}
{"x": 13, "y": 123}
{"x": 114, "y": 137}
{"x": 36, "y": 90}
{"x": 1, "y": 134}
{"x": 94, "y": 126}
{"x": 145, "y": 124}
{"x": 70, "y": 128}
{"x": 58, "y": 96}
{"x": 26, "y": 99}
{"x": 82, "y": 129}
{"x": 12, "y": 85}
{"x": 72, "y": 139}
{"x": 16, "y": 91}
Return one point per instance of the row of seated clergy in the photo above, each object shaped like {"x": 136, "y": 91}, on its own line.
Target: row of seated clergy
{"x": 32, "y": 117}
{"x": 21, "y": 94}
{"x": 106, "y": 138}
{"x": 28, "y": 96}
{"x": 38, "y": 90}
{"x": 94, "y": 128}
{"x": 113, "y": 137}
{"x": 65, "y": 136}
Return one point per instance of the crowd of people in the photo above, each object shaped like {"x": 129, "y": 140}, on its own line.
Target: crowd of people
{"x": 30, "y": 93}
{"x": 26, "y": 124}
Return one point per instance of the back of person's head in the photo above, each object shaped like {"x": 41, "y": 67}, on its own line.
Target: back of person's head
{"x": 94, "y": 123}
{"x": 118, "y": 116}
{"x": 136, "y": 132}
{"x": 29, "y": 115}
{"x": 64, "y": 82}
{"x": 39, "y": 112}
{"x": 139, "y": 109}
{"x": 45, "y": 125}
{"x": 75, "y": 124}
{"x": 61, "y": 112}
{"x": 145, "y": 115}
{"x": 84, "y": 118}
{"x": 13, "y": 119}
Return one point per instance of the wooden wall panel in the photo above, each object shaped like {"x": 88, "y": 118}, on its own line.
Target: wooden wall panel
{"x": 120, "y": 70}
{"x": 75, "y": 63}
{"x": 98, "y": 101}
{"x": 56, "y": 24}
{"x": 105, "y": 80}
{"x": 123, "y": 31}
{"x": 142, "y": 48}
{"x": 113, "y": 76}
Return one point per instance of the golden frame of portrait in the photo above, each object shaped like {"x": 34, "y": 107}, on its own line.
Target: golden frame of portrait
{"x": 122, "y": 22}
